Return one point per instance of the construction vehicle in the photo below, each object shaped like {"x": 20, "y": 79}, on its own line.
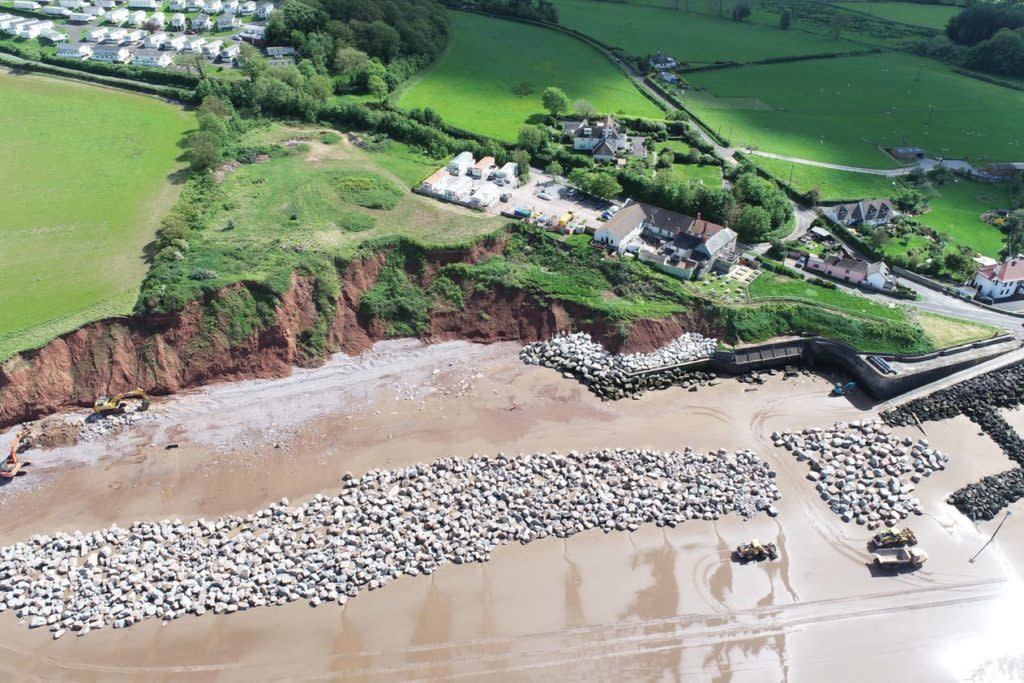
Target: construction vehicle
{"x": 843, "y": 389}
{"x": 899, "y": 558}
{"x": 893, "y": 538}
{"x": 755, "y": 551}
{"x": 12, "y": 466}
{"x": 116, "y": 404}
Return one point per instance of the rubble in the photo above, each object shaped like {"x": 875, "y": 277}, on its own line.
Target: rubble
{"x": 610, "y": 376}
{"x": 862, "y": 471}
{"x": 385, "y": 524}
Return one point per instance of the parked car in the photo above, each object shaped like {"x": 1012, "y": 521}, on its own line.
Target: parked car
{"x": 543, "y": 195}
{"x": 986, "y": 300}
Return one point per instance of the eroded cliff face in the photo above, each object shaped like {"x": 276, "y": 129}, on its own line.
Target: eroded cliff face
{"x": 197, "y": 346}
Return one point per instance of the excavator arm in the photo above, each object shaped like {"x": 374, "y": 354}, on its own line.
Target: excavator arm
{"x": 107, "y": 404}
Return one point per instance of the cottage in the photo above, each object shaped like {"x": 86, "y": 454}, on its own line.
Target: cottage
{"x": 137, "y": 18}
{"x": 280, "y": 52}
{"x": 254, "y": 33}
{"x": 156, "y": 21}
{"x": 1003, "y": 280}
{"x": 482, "y": 168}
{"x": 879, "y": 278}
{"x": 212, "y": 48}
{"x": 155, "y": 41}
{"x": 874, "y": 275}
{"x": 661, "y": 62}
{"x": 175, "y": 43}
{"x": 201, "y": 22}
{"x": 460, "y": 164}
{"x": 178, "y": 22}
{"x": 154, "y": 58}
{"x": 57, "y": 12}
{"x": 111, "y": 53}
{"x": 228, "y": 22}
{"x": 458, "y": 189}
{"x": 507, "y": 174}
{"x": 869, "y": 211}
{"x": 435, "y": 183}
{"x": 230, "y": 51}
{"x": 75, "y": 50}
{"x": 194, "y": 43}
{"x": 265, "y": 9}
{"x": 143, "y": 4}
{"x": 247, "y": 8}
{"x": 117, "y": 17}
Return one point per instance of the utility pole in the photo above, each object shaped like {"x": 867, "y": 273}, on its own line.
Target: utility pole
{"x": 992, "y": 537}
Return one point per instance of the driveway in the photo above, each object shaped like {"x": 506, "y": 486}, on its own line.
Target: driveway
{"x": 563, "y": 199}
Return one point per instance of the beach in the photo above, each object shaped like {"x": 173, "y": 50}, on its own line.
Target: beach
{"x": 654, "y": 604}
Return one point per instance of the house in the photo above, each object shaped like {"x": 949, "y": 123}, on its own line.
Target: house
{"x": 57, "y": 12}
{"x": 156, "y": 21}
{"x": 213, "y": 6}
{"x": 668, "y": 77}
{"x": 436, "y": 182}
{"x": 111, "y": 53}
{"x": 265, "y": 9}
{"x": 201, "y": 22}
{"x": 280, "y": 52}
{"x": 482, "y": 168}
{"x": 460, "y": 164}
{"x": 874, "y": 275}
{"x": 155, "y": 41}
{"x": 661, "y": 62}
{"x": 178, "y": 22}
{"x": 820, "y": 234}
{"x": 696, "y": 246}
{"x": 97, "y": 35}
{"x": 175, "y": 43}
{"x": 212, "y": 48}
{"x": 507, "y": 174}
{"x": 117, "y": 17}
{"x": 870, "y": 211}
{"x": 230, "y": 51}
{"x": 137, "y": 18}
{"x": 254, "y": 33}
{"x": 623, "y": 227}
{"x": 604, "y": 140}
{"x": 247, "y": 8}
{"x": 177, "y": 5}
{"x": 228, "y": 22}
{"x": 879, "y": 278}
{"x": 194, "y": 43}
{"x": 154, "y": 58}
{"x": 1002, "y": 280}
{"x": 74, "y": 50}
{"x": 458, "y": 189}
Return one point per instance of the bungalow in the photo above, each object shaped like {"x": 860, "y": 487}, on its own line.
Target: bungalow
{"x": 1002, "y": 280}
{"x": 228, "y": 22}
{"x": 75, "y": 17}
{"x": 247, "y": 8}
{"x": 97, "y": 35}
{"x": 111, "y": 53}
{"x": 507, "y": 174}
{"x": 156, "y": 21}
{"x": 201, "y": 22}
{"x": 212, "y": 48}
{"x": 230, "y": 6}
{"x": 265, "y": 9}
{"x": 155, "y": 41}
{"x": 874, "y": 275}
{"x": 213, "y": 6}
{"x": 115, "y": 35}
{"x": 75, "y": 50}
{"x": 178, "y": 22}
{"x": 137, "y": 18}
{"x": 94, "y": 12}
{"x": 154, "y": 58}
{"x": 253, "y": 32}
{"x": 32, "y": 30}
{"x": 870, "y": 211}
{"x": 230, "y": 51}
{"x": 458, "y": 189}
{"x": 57, "y": 12}
{"x": 143, "y": 4}
{"x": 482, "y": 168}
{"x": 26, "y": 5}
{"x": 177, "y": 5}
{"x": 134, "y": 35}
{"x": 175, "y": 43}
{"x": 280, "y": 52}
{"x": 661, "y": 62}
{"x": 53, "y": 35}
{"x": 460, "y": 164}
{"x": 435, "y": 183}
{"x": 117, "y": 17}
{"x": 194, "y": 43}
{"x": 622, "y": 228}
{"x": 105, "y": 4}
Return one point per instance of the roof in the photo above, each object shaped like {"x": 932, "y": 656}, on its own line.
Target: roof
{"x": 847, "y": 264}
{"x": 626, "y": 220}
{"x": 705, "y": 229}
{"x": 638, "y": 146}
{"x": 437, "y": 175}
{"x": 149, "y": 53}
{"x": 484, "y": 163}
{"x": 604, "y": 149}
{"x": 1008, "y": 271}
{"x": 718, "y": 241}
{"x": 877, "y": 267}
{"x": 664, "y": 219}
{"x": 820, "y": 232}
{"x": 661, "y": 59}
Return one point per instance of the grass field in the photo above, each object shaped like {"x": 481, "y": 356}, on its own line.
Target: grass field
{"x": 929, "y": 16}
{"x": 772, "y": 285}
{"x": 689, "y": 37}
{"x": 841, "y": 110}
{"x": 85, "y": 179}
{"x": 834, "y": 185}
{"x": 956, "y": 211}
{"x": 709, "y": 175}
{"x": 946, "y": 332}
{"x": 473, "y": 84}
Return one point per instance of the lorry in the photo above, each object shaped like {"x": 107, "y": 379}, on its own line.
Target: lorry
{"x": 899, "y": 558}
{"x": 520, "y": 212}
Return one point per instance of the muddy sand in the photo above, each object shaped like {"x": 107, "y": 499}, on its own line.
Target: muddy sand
{"x": 656, "y": 604}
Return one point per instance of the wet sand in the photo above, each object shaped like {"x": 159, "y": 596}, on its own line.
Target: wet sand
{"x": 657, "y": 604}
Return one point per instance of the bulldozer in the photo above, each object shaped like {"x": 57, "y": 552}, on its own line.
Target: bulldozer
{"x": 892, "y": 538}
{"x": 116, "y": 404}
{"x": 755, "y": 551}
{"x": 12, "y": 465}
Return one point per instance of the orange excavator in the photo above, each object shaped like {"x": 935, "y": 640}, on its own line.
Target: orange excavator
{"x": 11, "y": 467}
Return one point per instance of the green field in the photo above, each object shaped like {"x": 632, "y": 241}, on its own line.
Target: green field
{"x": 772, "y": 285}
{"x": 841, "y": 110}
{"x": 709, "y": 175}
{"x": 929, "y": 16}
{"x": 834, "y": 185}
{"x": 85, "y": 180}
{"x": 473, "y": 84}
{"x": 691, "y": 38}
{"x": 956, "y": 211}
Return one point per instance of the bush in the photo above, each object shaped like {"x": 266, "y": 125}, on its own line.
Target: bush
{"x": 368, "y": 190}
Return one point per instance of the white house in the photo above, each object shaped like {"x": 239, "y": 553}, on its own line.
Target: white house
{"x": 509, "y": 173}
{"x": 1002, "y": 280}
{"x": 74, "y": 50}
{"x": 156, "y": 21}
{"x": 116, "y": 35}
{"x": 214, "y": 7}
{"x": 97, "y": 35}
{"x": 57, "y": 11}
{"x": 461, "y": 163}
{"x": 228, "y": 22}
{"x": 623, "y": 227}
{"x": 176, "y": 43}
{"x": 76, "y": 17}
{"x": 155, "y": 41}
{"x": 194, "y": 43}
{"x": 229, "y": 52}
{"x": 178, "y": 22}
{"x": 137, "y": 18}
{"x": 201, "y": 22}
{"x": 280, "y": 52}
{"x": 134, "y": 35}
{"x": 265, "y": 9}
{"x": 247, "y": 8}
{"x": 111, "y": 53}
{"x": 143, "y": 4}
{"x": 878, "y": 277}
{"x": 28, "y": 31}
{"x": 870, "y": 211}
{"x": 212, "y": 48}
{"x": 26, "y": 4}
{"x": 95, "y": 12}
{"x": 116, "y": 17}
{"x": 459, "y": 189}
{"x": 105, "y": 4}
{"x": 253, "y": 32}
{"x": 53, "y": 35}
{"x": 154, "y": 58}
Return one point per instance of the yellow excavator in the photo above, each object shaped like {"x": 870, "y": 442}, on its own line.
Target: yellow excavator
{"x": 116, "y": 404}
{"x": 11, "y": 467}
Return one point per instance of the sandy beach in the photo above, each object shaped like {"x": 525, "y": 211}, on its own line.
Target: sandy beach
{"x": 656, "y": 604}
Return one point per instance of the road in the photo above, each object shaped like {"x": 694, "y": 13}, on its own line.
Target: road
{"x": 888, "y": 172}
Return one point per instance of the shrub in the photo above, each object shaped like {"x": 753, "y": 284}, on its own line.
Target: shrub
{"x": 329, "y": 137}
{"x": 367, "y": 189}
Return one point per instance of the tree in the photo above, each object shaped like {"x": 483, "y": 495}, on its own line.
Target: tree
{"x": 960, "y": 264}
{"x": 192, "y": 60}
{"x": 753, "y": 224}
{"x": 604, "y": 186}
{"x": 786, "y": 19}
{"x": 584, "y": 108}
{"x": 377, "y": 87}
{"x": 554, "y": 100}
{"x": 531, "y": 138}
{"x": 204, "y": 150}
{"x": 554, "y": 169}
{"x": 522, "y": 160}
{"x": 741, "y": 12}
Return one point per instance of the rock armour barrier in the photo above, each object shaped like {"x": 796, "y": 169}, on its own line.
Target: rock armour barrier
{"x": 383, "y": 525}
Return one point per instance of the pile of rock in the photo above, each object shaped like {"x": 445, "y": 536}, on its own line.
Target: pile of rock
{"x": 102, "y": 426}
{"x": 610, "y": 376}
{"x": 382, "y": 525}
{"x": 759, "y": 377}
{"x": 984, "y": 499}
{"x": 862, "y": 471}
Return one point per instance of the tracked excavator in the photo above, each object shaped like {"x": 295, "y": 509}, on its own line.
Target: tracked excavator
{"x": 12, "y": 465}
{"x": 116, "y": 404}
